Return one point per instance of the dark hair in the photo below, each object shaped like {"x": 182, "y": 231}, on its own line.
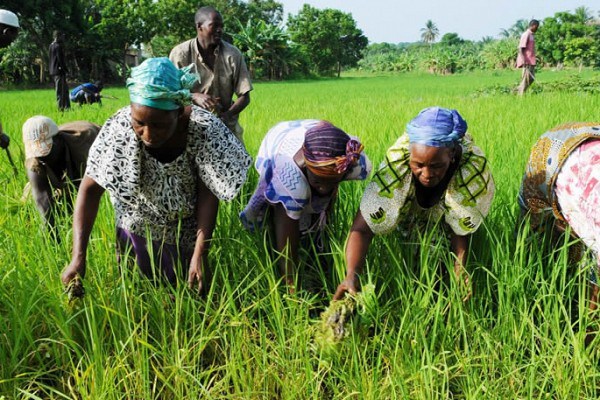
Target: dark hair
{"x": 204, "y": 13}
{"x": 534, "y": 22}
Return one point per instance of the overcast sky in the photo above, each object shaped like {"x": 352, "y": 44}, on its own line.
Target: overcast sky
{"x": 397, "y": 21}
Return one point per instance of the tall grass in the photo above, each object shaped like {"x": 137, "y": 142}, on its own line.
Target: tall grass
{"x": 520, "y": 336}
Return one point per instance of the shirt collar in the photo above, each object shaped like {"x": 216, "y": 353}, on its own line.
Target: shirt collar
{"x": 216, "y": 52}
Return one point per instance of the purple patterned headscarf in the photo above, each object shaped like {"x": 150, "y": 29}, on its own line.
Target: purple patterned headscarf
{"x": 329, "y": 151}
{"x": 437, "y": 127}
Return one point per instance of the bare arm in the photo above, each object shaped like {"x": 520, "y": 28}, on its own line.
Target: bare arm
{"x": 207, "y": 207}
{"x": 460, "y": 247}
{"x": 42, "y": 194}
{"x": 86, "y": 209}
{"x": 237, "y": 107}
{"x": 287, "y": 241}
{"x": 4, "y": 139}
{"x": 357, "y": 247}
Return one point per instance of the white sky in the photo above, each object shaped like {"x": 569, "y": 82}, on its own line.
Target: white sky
{"x": 396, "y": 21}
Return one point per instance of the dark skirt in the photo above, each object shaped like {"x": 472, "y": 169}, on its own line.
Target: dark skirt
{"x": 155, "y": 259}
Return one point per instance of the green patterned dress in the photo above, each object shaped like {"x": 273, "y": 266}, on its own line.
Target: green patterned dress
{"x": 390, "y": 202}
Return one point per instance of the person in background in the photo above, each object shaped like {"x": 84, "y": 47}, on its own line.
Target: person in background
{"x": 166, "y": 164}
{"x": 560, "y": 186}
{"x": 433, "y": 173}
{"x": 9, "y": 30}
{"x": 526, "y": 57}
{"x": 301, "y": 164}
{"x": 222, "y": 70}
{"x": 55, "y": 160}
{"x": 58, "y": 71}
{"x": 87, "y": 93}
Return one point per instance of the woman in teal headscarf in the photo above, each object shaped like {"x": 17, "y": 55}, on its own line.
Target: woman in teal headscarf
{"x": 166, "y": 164}
{"x": 432, "y": 173}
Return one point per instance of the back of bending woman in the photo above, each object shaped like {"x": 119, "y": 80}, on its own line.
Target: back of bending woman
{"x": 560, "y": 185}
{"x": 165, "y": 165}
{"x": 301, "y": 163}
{"x": 433, "y": 172}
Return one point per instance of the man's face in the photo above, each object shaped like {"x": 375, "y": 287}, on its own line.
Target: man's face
{"x": 7, "y": 35}
{"x": 211, "y": 30}
{"x": 534, "y": 28}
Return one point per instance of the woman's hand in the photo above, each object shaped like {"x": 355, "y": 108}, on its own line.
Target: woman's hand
{"x": 74, "y": 270}
{"x": 195, "y": 275}
{"x": 72, "y": 277}
{"x": 460, "y": 245}
{"x": 463, "y": 281}
{"x": 349, "y": 285}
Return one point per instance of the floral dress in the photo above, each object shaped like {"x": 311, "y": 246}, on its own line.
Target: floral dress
{"x": 156, "y": 200}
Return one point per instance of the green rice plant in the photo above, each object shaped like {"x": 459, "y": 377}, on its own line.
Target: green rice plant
{"x": 521, "y": 335}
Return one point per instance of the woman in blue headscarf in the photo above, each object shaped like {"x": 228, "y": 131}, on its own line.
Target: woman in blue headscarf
{"x": 166, "y": 164}
{"x": 432, "y": 173}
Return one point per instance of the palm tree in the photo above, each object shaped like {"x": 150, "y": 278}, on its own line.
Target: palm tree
{"x": 430, "y": 32}
{"x": 516, "y": 30}
{"x": 583, "y": 14}
{"x": 519, "y": 27}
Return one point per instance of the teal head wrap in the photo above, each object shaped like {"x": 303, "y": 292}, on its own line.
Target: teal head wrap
{"x": 158, "y": 83}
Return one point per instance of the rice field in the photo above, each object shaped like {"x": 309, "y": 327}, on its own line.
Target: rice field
{"x": 520, "y": 336}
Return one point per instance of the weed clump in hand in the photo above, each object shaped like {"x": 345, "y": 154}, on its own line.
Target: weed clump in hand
{"x": 75, "y": 289}
{"x": 352, "y": 316}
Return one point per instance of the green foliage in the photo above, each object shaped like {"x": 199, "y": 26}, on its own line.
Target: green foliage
{"x": 451, "y": 39}
{"x": 516, "y": 30}
{"x": 499, "y": 54}
{"x": 269, "y": 52}
{"x": 353, "y": 315}
{"x": 569, "y": 38}
{"x": 521, "y": 336}
{"x": 565, "y": 39}
{"x": 315, "y": 41}
{"x": 329, "y": 38}
{"x": 571, "y": 84}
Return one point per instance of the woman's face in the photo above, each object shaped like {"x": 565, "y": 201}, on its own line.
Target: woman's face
{"x": 430, "y": 164}
{"x": 153, "y": 126}
{"x": 323, "y": 186}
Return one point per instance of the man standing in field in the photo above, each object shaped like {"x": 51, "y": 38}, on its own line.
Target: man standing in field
{"x": 58, "y": 70}
{"x": 9, "y": 29}
{"x": 222, "y": 70}
{"x": 526, "y": 56}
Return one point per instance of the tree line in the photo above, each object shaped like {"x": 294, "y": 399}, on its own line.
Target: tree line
{"x": 565, "y": 39}
{"x": 100, "y": 34}
{"x": 314, "y": 42}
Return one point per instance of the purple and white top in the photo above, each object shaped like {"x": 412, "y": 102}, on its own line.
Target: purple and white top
{"x": 282, "y": 181}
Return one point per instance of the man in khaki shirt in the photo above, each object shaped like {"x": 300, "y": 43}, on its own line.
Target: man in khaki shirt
{"x": 222, "y": 70}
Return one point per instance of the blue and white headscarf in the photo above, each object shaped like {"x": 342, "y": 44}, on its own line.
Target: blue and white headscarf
{"x": 158, "y": 83}
{"x": 436, "y": 127}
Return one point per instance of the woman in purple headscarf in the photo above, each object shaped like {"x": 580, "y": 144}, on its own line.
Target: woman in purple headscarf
{"x": 301, "y": 164}
{"x": 432, "y": 173}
